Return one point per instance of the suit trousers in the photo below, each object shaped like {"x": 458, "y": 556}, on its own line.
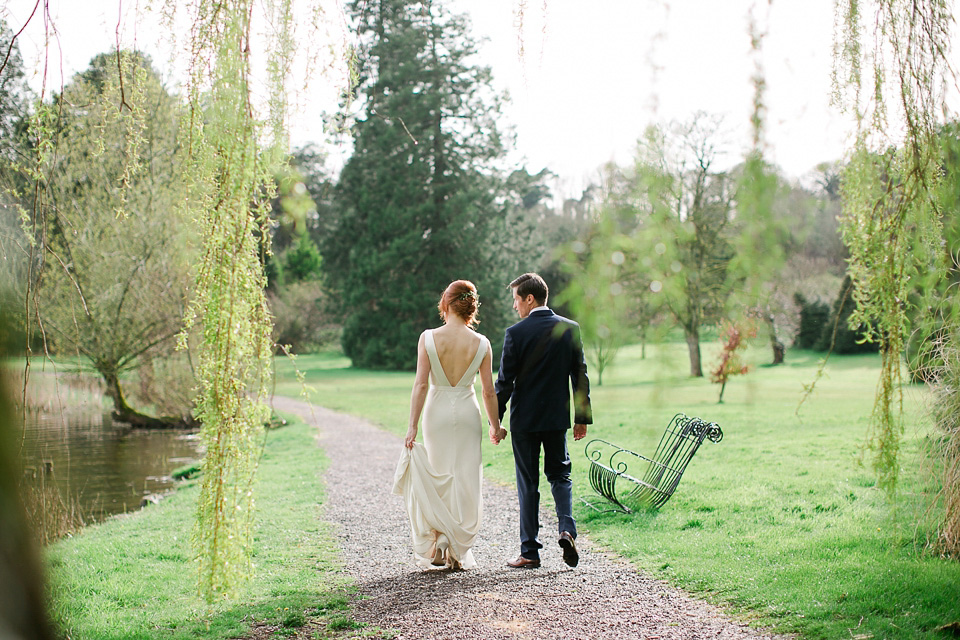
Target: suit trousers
{"x": 556, "y": 466}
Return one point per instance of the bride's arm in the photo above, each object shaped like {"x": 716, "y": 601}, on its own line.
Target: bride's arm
{"x": 489, "y": 394}
{"x": 419, "y": 394}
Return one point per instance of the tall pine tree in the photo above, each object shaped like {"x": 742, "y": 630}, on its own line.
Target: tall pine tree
{"x": 421, "y": 200}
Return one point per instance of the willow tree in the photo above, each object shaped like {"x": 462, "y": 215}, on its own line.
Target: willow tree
{"x": 891, "y": 67}
{"x": 118, "y": 250}
{"x": 99, "y": 260}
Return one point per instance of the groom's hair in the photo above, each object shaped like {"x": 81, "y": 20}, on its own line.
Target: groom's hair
{"x": 531, "y": 284}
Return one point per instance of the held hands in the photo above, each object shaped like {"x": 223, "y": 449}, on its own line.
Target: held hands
{"x": 496, "y": 435}
{"x": 579, "y": 431}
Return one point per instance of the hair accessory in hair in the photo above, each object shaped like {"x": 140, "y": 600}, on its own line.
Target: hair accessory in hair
{"x": 466, "y": 295}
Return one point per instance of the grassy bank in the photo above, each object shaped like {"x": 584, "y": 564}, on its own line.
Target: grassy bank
{"x": 779, "y": 521}
{"x": 132, "y": 577}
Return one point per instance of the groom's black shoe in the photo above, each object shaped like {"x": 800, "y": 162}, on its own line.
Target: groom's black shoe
{"x": 570, "y": 555}
{"x": 523, "y": 563}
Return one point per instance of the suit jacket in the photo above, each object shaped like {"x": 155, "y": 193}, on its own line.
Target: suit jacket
{"x": 542, "y": 358}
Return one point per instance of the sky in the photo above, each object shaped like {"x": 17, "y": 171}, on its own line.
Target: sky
{"x": 593, "y": 74}
{"x": 605, "y": 69}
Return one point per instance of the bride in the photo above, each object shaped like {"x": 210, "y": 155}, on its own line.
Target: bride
{"x": 440, "y": 479}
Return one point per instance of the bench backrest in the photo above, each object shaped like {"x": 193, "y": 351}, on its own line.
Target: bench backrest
{"x": 611, "y": 465}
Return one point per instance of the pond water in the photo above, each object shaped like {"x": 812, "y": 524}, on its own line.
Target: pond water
{"x": 106, "y": 467}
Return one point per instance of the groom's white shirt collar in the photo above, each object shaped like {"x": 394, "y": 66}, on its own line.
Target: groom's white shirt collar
{"x": 542, "y": 308}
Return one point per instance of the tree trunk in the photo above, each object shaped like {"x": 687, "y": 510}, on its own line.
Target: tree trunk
{"x": 122, "y": 412}
{"x": 779, "y": 350}
{"x": 693, "y": 346}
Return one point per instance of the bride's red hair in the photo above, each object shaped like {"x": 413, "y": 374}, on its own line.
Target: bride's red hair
{"x": 460, "y": 297}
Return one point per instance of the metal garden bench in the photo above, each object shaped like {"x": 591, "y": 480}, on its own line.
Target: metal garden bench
{"x": 633, "y": 482}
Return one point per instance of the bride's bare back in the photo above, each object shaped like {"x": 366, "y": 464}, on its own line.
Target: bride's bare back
{"x": 456, "y": 348}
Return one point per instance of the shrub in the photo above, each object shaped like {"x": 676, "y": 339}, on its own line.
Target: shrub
{"x": 814, "y": 316}
{"x": 51, "y": 515}
{"x": 302, "y": 261}
{"x": 735, "y": 337}
{"x": 299, "y": 317}
{"x": 922, "y": 353}
{"x": 847, "y": 340}
{"x": 945, "y": 405}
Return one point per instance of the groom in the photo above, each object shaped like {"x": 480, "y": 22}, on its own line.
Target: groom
{"x": 542, "y": 358}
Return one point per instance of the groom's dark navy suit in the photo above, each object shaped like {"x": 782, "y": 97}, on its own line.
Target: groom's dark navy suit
{"x": 542, "y": 360}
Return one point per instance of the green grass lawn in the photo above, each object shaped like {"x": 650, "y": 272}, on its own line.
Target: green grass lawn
{"x": 133, "y": 576}
{"x": 780, "y": 521}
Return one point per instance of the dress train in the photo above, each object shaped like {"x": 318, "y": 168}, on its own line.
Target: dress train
{"x": 428, "y": 495}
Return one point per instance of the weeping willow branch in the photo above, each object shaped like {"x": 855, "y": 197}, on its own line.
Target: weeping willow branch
{"x": 890, "y": 219}
{"x": 230, "y": 184}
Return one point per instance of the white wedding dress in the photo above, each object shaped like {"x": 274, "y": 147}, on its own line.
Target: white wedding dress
{"x": 440, "y": 479}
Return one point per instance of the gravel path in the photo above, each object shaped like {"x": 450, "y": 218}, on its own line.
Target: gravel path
{"x": 603, "y": 597}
